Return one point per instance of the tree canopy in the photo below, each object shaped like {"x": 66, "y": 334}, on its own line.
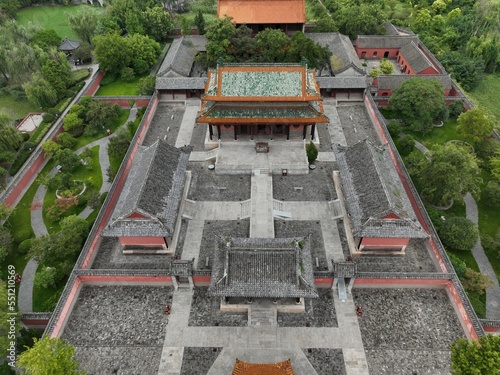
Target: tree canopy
{"x": 477, "y": 357}
{"x": 419, "y": 101}
{"x": 459, "y": 233}
{"x": 449, "y": 175}
{"x": 475, "y": 125}
{"x": 49, "y": 356}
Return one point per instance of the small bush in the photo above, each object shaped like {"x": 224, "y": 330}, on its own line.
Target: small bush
{"x": 375, "y": 73}
{"x": 24, "y": 247}
{"x": 53, "y": 111}
{"x": 491, "y": 194}
{"x": 108, "y": 79}
{"x": 312, "y": 152}
{"x": 459, "y": 265}
{"x": 456, "y": 108}
{"x": 405, "y": 145}
{"x": 103, "y": 197}
{"x": 22, "y": 235}
{"x": 394, "y": 128}
{"x": 82, "y": 200}
{"x": 66, "y": 140}
{"x": 386, "y": 66}
{"x": 127, "y": 74}
{"x": 48, "y": 117}
{"x": 459, "y": 233}
{"x": 25, "y": 136}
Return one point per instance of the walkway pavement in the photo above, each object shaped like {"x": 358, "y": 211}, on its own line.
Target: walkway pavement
{"x": 188, "y": 122}
{"x": 493, "y": 292}
{"x": 261, "y": 218}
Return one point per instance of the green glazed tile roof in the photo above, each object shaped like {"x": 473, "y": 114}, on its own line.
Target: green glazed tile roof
{"x": 261, "y": 84}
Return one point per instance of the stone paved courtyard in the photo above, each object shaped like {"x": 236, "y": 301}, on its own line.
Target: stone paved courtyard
{"x": 169, "y": 118}
{"x": 208, "y": 186}
{"x": 320, "y": 312}
{"x": 407, "y": 330}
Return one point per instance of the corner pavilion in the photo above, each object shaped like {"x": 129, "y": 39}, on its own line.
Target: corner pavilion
{"x": 265, "y": 100}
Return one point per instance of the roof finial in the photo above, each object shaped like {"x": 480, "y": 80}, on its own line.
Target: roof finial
{"x": 303, "y": 61}
{"x": 220, "y": 61}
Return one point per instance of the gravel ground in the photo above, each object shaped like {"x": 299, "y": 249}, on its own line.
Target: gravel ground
{"x": 355, "y": 117}
{"x": 112, "y": 316}
{"x": 162, "y": 121}
{"x": 408, "y": 362}
{"x": 302, "y": 228}
{"x": 205, "y": 312}
{"x": 320, "y": 312}
{"x": 197, "y": 361}
{"x": 198, "y": 137}
{"x": 416, "y": 259}
{"x": 110, "y": 256}
{"x": 326, "y": 361}
{"x": 123, "y": 360}
{"x": 325, "y": 140}
{"x": 316, "y": 186}
{"x": 224, "y": 228}
{"x": 407, "y": 319}
{"x": 208, "y": 186}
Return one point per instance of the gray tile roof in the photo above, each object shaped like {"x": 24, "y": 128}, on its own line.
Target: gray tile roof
{"x": 343, "y": 82}
{"x": 390, "y": 82}
{"x": 390, "y": 29}
{"x": 179, "y": 59}
{"x": 262, "y": 268}
{"x": 69, "y": 45}
{"x": 180, "y": 267}
{"x": 180, "y": 83}
{"x": 373, "y": 190}
{"x": 385, "y": 41}
{"x": 344, "y": 269}
{"x": 153, "y": 189}
{"x": 343, "y": 52}
{"x": 415, "y": 57}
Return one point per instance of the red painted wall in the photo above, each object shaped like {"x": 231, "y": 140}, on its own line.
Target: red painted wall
{"x": 393, "y": 52}
{"x": 136, "y": 215}
{"x": 142, "y": 241}
{"x": 95, "y": 85}
{"x": 391, "y": 216}
{"x": 371, "y": 243}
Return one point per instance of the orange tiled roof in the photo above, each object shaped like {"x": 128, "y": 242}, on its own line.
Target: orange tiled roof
{"x": 263, "y": 11}
{"x": 280, "y": 368}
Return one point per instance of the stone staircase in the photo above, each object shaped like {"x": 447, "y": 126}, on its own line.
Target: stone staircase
{"x": 246, "y": 209}
{"x": 338, "y": 210}
{"x": 212, "y": 154}
{"x": 262, "y": 316}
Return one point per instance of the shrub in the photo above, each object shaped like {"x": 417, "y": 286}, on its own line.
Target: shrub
{"x": 491, "y": 193}
{"x": 82, "y": 200}
{"x": 108, "y": 79}
{"x": 456, "y": 108}
{"x": 66, "y": 140}
{"x": 386, "y": 66}
{"x": 22, "y": 235}
{"x": 127, "y": 74}
{"x": 24, "y": 247}
{"x": 48, "y": 117}
{"x": 394, "y": 128}
{"x": 311, "y": 152}
{"x": 405, "y": 145}
{"x": 147, "y": 85}
{"x": 459, "y": 233}
{"x": 375, "y": 72}
{"x": 459, "y": 265}
{"x": 485, "y": 149}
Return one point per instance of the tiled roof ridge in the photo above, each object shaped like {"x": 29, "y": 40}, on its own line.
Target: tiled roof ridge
{"x": 153, "y": 147}
{"x": 350, "y": 65}
{"x": 420, "y": 53}
{"x": 174, "y": 48}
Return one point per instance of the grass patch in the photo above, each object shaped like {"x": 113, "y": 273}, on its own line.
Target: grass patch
{"x": 53, "y": 17}
{"x": 120, "y": 88}
{"x": 83, "y": 173}
{"x": 486, "y": 95}
{"x": 80, "y": 74}
{"x": 120, "y": 120}
{"x": 438, "y": 136}
{"x": 17, "y": 109}
{"x": 43, "y": 297}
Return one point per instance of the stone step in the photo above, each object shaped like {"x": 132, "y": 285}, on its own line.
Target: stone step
{"x": 259, "y": 316}
{"x": 338, "y": 210}
{"x": 246, "y": 209}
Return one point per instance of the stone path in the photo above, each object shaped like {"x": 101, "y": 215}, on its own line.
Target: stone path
{"x": 25, "y": 297}
{"x": 262, "y": 343}
{"x": 188, "y": 121}
{"x": 493, "y": 292}
{"x": 334, "y": 127}
{"x": 261, "y": 218}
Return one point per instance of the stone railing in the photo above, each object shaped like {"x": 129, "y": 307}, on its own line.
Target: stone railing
{"x": 404, "y": 275}
{"x": 36, "y": 316}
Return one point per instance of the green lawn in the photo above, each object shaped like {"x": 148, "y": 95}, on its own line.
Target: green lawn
{"x": 438, "y": 135}
{"x": 17, "y": 109}
{"x": 120, "y": 88}
{"x": 53, "y": 17}
{"x": 486, "y": 95}
{"x": 82, "y": 172}
{"x": 85, "y": 140}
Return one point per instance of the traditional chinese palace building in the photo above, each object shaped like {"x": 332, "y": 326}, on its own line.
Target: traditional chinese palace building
{"x": 287, "y": 15}
{"x": 278, "y": 100}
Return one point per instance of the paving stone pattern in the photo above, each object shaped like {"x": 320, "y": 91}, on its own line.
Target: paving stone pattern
{"x": 119, "y": 360}
{"x": 303, "y": 228}
{"x": 198, "y": 137}
{"x": 119, "y": 316}
{"x": 408, "y": 362}
{"x": 326, "y": 361}
{"x": 205, "y": 312}
{"x": 412, "y": 319}
{"x": 164, "y": 121}
{"x": 320, "y": 312}
{"x": 224, "y": 228}
{"x": 316, "y": 186}
{"x": 197, "y": 361}
{"x": 343, "y": 238}
{"x": 208, "y": 186}
{"x": 181, "y": 238}
{"x": 325, "y": 141}
{"x": 416, "y": 259}
{"x": 110, "y": 256}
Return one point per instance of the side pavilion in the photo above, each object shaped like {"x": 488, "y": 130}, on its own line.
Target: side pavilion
{"x": 262, "y": 100}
